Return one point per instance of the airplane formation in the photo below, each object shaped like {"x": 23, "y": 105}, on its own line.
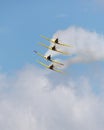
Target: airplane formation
{"x": 52, "y": 66}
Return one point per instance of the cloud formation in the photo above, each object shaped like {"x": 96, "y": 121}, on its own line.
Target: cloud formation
{"x": 87, "y": 46}
{"x": 30, "y": 101}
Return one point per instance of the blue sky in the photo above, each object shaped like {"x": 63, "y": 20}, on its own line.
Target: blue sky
{"x": 21, "y": 23}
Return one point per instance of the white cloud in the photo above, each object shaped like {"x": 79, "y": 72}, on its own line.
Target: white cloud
{"x": 87, "y": 46}
{"x": 29, "y": 102}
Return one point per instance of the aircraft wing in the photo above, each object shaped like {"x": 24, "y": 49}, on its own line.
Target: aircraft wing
{"x": 64, "y": 53}
{"x": 43, "y": 64}
{"x": 45, "y": 46}
{"x": 48, "y": 39}
{"x": 53, "y": 41}
{"x": 40, "y": 54}
{"x": 67, "y": 45}
{"x": 59, "y": 71}
{"x": 54, "y": 61}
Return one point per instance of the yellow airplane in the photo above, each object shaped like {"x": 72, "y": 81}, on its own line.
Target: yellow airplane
{"x": 56, "y": 41}
{"x": 51, "y": 67}
{"x": 48, "y": 58}
{"x": 53, "y": 48}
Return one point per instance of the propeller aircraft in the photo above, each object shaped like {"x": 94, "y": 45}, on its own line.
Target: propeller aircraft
{"x": 56, "y": 41}
{"x": 51, "y": 67}
{"x": 48, "y": 58}
{"x": 53, "y": 48}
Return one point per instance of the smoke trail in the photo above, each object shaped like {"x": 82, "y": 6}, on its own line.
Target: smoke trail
{"x": 87, "y": 46}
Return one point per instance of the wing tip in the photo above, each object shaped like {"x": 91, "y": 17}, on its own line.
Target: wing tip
{"x": 35, "y": 51}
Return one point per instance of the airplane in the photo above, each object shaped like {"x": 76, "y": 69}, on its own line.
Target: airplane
{"x": 53, "y": 48}
{"x": 55, "y": 41}
{"x": 51, "y": 67}
{"x": 48, "y": 58}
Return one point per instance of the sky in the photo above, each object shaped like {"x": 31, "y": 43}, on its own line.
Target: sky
{"x": 32, "y": 97}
